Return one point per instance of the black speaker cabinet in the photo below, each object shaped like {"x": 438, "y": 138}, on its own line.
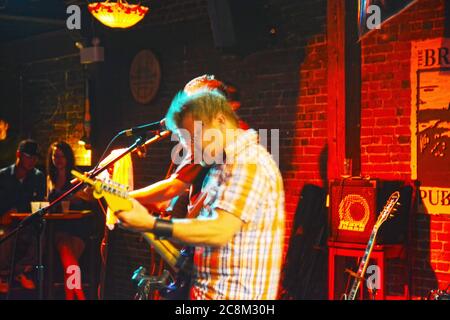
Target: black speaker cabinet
{"x": 240, "y": 26}
{"x": 222, "y": 23}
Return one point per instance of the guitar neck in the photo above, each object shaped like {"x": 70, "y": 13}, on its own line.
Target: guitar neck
{"x": 363, "y": 265}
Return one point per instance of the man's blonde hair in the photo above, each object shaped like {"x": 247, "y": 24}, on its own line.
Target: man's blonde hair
{"x": 203, "y": 105}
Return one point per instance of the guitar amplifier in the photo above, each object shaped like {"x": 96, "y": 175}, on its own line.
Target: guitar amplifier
{"x": 352, "y": 210}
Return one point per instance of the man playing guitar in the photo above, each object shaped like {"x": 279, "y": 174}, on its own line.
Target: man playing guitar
{"x": 238, "y": 234}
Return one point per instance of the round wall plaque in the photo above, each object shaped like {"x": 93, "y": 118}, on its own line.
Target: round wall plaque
{"x": 145, "y": 76}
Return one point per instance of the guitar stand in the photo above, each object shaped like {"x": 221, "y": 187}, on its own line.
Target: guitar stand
{"x": 354, "y": 275}
{"x": 146, "y": 284}
{"x": 373, "y": 293}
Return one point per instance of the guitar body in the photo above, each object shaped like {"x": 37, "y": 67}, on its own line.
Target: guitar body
{"x": 179, "y": 289}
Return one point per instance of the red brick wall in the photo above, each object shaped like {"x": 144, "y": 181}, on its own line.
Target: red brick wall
{"x": 386, "y": 133}
{"x": 309, "y": 134}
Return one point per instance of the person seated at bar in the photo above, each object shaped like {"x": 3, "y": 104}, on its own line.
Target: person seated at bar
{"x": 69, "y": 235}
{"x": 20, "y": 184}
{"x": 8, "y": 144}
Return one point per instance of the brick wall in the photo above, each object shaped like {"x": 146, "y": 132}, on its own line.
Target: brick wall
{"x": 386, "y": 133}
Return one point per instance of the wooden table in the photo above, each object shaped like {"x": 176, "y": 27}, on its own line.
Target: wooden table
{"x": 49, "y": 234}
{"x": 72, "y": 214}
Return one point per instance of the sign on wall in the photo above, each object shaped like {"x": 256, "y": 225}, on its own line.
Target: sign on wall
{"x": 430, "y": 123}
{"x": 145, "y": 76}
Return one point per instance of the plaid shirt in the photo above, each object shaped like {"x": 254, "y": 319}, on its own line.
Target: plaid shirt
{"x": 249, "y": 186}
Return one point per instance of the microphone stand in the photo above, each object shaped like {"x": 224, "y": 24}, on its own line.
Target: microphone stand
{"x": 38, "y": 216}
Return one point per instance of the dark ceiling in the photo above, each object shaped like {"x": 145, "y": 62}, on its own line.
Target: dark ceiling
{"x": 24, "y": 18}
{"x": 20, "y": 19}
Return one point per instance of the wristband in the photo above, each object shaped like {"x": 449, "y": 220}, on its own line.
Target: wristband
{"x": 163, "y": 228}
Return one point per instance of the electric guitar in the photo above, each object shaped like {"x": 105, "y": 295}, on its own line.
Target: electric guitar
{"x": 387, "y": 213}
{"x": 118, "y": 199}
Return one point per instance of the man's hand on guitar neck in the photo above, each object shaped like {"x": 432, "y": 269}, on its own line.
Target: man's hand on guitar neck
{"x": 138, "y": 219}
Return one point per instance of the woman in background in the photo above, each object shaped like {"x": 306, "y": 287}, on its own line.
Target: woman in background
{"x": 69, "y": 234}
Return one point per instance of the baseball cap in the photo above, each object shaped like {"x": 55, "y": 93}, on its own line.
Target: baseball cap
{"x": 29, "y": 147}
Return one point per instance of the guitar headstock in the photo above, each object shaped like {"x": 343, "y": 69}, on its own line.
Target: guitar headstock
{"x": 115, "y": 194}
{"x": 389, "y": 210}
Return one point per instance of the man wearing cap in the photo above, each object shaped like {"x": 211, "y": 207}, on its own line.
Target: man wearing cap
{"x": 20, "y": 184}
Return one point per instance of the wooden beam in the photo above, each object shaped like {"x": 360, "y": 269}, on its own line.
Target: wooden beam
{"x": 352, "y": 87}
{"x": 336, "y": 87}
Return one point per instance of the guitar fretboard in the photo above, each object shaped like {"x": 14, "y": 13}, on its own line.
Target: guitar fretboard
{"x": 363, "y": 265}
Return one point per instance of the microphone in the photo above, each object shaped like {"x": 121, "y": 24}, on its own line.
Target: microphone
{"x": 154, "y": 126}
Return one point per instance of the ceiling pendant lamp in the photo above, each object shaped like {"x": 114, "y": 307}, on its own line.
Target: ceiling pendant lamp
{"x": 119, "y": 14}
